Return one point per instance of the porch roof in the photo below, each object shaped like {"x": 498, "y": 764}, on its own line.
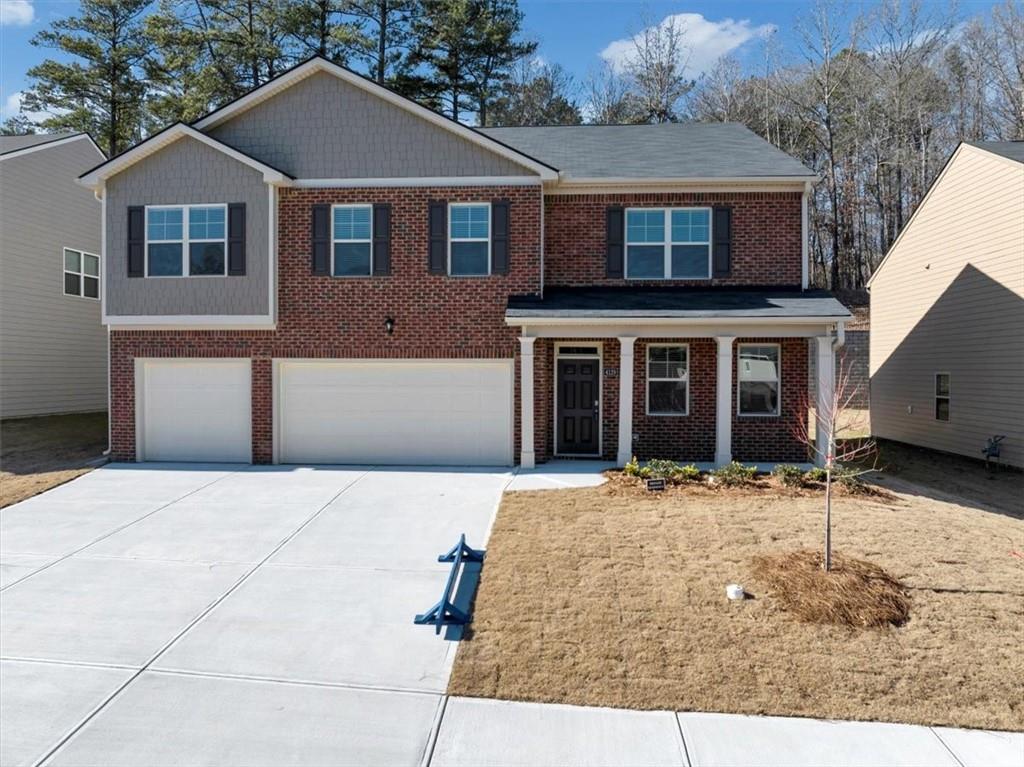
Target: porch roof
{"x": 624, "y": 302}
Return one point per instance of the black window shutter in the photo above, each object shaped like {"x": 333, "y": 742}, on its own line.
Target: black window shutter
{"x": 438, "y": 223}
{"x": 381, "y": 238}
{"x": 136, "y": 241}
{"x": 615, "y": 225}
{"x": 721, "y": 246}
{"x": 500, "y": 236}
{"x": 236, "y": 238}
{"x": 321, "y": 239}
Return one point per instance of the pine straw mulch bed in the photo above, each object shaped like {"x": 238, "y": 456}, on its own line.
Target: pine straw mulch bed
{"x": 621, "y": 484}
{"x": 614, "y": 597}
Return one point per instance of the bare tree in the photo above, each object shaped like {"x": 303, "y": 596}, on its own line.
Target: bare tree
{"x": 657, "y": 69}
{"x": 609, "y": 100}
{"x": 1003, "y": 52}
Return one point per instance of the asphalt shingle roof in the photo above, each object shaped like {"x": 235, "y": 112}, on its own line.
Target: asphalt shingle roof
{"x": 678, "y": 302}
{"x": 1014, "y": 150}
{"x": 14, "y": 143}
{"x": 670, "y": 150}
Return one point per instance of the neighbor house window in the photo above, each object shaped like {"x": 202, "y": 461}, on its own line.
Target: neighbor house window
{"x": 667, "y": 380}
{"x": 469, "y": 239}
{"x": 668, "y": 243}
{"x": 758, "y": 379}
{"x": 942, "y": 396}
{"x": 81, "y": 274}
{"x": 353, "y": 235}
{"x": 186, "y": 240}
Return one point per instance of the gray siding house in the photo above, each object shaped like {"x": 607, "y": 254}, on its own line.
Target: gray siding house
{"x": 53, "y": 347}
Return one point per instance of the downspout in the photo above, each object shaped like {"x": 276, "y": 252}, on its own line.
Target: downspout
{"x": 805, "y": 239}
{"x": 542, "y": 239}
{"x": 840, "y": 340}
{"x": 101, "y": 198}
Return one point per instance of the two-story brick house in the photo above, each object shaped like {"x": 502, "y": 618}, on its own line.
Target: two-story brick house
{"x": 324, "y": 271}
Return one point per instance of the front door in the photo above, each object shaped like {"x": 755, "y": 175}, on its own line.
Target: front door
{"x": 579, "y": 406}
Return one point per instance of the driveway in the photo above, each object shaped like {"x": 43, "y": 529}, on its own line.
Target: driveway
{"x": 189, "y": 614}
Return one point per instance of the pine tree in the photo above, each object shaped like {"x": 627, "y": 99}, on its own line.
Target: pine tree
{"x": 387, "y": 38}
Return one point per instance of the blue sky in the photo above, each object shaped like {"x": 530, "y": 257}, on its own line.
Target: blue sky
{"x": 573, "y": 33}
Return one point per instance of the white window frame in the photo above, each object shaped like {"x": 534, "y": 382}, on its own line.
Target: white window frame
{"x": 648, "y": 379}
{"x": 185, "y": 240}
{"x": 948, "y": 397}
{"x": 81, "y": 274}
{"x": 777, "y": 380}
{"x": 667, "y": 243}
{"x": 450, "y": 239}
{"x": 335, "y": 240}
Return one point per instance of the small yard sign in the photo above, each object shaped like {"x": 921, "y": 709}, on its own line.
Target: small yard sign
{"x": 656, "y": 485}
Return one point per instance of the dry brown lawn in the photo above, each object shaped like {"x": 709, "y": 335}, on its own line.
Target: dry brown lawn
{"x": 603, "y": 596}
{"x": 39, "y": 453}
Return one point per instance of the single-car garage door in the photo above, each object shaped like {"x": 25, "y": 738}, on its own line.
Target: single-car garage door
{"x": 440, "y": 412}
{"x": 193, "y": 410}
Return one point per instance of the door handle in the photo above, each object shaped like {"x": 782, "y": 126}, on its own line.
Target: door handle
{"x": 597, "y": 407}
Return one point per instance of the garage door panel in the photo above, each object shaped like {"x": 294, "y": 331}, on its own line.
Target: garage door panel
{"x": 195, "y": 410}
{"x": 395, "y": 412}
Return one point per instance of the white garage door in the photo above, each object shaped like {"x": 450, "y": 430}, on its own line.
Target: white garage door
{"x": 193, "y": 410}
{"x": 436, "y": 412}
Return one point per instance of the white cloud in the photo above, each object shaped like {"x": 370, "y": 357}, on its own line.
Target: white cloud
{"x": 16, "y": 13}
{"x": 11, "y": 107}
{"x": 706, "y": 41}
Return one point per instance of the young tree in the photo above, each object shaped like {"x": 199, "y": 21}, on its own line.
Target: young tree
{"x": 536, "y": 94}
{"x": 844, "y": 447}
{"x": 101, "y": 89}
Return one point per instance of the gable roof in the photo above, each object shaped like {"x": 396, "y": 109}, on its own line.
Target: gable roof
{"x": 644, "y": 153}
{"x": 319, "y": 64}
{"x": 1012, "y": 150}
{"x": 11, "y": 146}
{"x": 96, "y": 176}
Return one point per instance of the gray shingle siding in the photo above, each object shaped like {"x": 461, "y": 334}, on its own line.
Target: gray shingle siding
{"x": 323, "y": 127}
{"x": 187, "y": 172}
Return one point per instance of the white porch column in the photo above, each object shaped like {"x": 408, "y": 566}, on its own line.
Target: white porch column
{"x": 826, "y": 364}
{"x": 527, "y": 460}
{"x": 625, "y": 452}
{"x": 723, "y": 411}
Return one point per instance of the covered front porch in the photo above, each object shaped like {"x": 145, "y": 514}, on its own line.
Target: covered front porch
{"x": 696, "y": 375}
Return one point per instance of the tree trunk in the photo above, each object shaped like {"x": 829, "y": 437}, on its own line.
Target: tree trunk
{"x": 828, "y": 514}
{"x": 382, "y": 40}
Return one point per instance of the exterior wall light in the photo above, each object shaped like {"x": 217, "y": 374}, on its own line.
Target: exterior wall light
{"x": 389, "y": 325}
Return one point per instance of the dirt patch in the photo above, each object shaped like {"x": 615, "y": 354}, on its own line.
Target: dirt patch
{"x": 762, "y": 485}
{"x": 597, "y": 596}
{"x": 39, "y": 453}
{"x": 852, "y": 593}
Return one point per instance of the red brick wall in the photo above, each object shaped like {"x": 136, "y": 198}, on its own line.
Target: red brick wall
{"x": 436, "y": 316}
{"x": 765, "y": 228}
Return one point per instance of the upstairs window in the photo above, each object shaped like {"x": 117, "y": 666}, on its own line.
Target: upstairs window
{"x": 668, "y": 371}
{"x": 352, "y": 240}
{"x": 759, "y": 379}
{"x": 668, "y": 243}
{"x": 469, "y": 239}
{"x": 186, "y": 240}
{"x": 81, "y": 274}
{"x": 942, "y": 396}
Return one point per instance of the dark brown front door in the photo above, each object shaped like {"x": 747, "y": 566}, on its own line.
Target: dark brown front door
{"x": 579, "y": 406}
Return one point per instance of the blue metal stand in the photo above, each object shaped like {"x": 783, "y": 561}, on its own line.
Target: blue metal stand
{"x": 445, "y": 613}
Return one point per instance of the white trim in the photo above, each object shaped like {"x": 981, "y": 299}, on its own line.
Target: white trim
{"x": 527, "y": 454}
{"x": 626, "y": 363}
{"x": 185, "y": 241}
{"x": 368, "y": 241}
{"x": 450, "y": 239}
{"x": 414, "y": 181}
{"x": 191, "y": 321}
{"x": 948, "y": 397}
{"x": 101, "y": 192}
{"x": 50, "y": 145}
{"x": 669, "y": 319}
{"x": 805, "y": 247}
{"x": 322, "y": 65}
{"x": 599, "y": 356}
{"x": 826, "y": 369}
{"x": 723, "y": 399}
{"x": 666, "y": 244}
{"x": 648, "y": 379}
{"x": 612, "y": 185}
{"x": 81, "y": 274}
{"x": 272, "y": 252}
{"x": 154, "y": 143}
{"x": 777, "y": 380}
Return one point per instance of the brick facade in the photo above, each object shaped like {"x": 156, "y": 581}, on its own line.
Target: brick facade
{"x": 766, "y": 232}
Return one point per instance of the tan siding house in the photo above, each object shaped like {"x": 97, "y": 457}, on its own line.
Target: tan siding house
{"x": 947, "y": 311}
{"x": 53, "y": 347}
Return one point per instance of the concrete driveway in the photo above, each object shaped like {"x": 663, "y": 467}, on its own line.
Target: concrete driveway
{"x": 170, "y": 614}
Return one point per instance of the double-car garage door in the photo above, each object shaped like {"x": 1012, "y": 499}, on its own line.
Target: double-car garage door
{"x": 440, "y": 412}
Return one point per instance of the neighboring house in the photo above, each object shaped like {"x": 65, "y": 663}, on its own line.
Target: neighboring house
{"x": 325, "y": 271}
{"x": 53, "y": 347}
{"x": 947, "y": 311}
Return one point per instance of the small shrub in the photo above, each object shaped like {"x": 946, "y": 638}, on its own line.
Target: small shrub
{"x": 660, "y": 467}
{"x": 689, "y": 473}
{"x": 634, "y": 469}
{"x": 788, "y": 474}
{"x": 847, "y": 477}
{"x": 817, "y": 474}
{"x": 734, "y": 473}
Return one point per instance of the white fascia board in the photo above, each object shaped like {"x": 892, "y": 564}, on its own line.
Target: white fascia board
{"x": 669, "y": 319}
{"x": 313, "y": 66}
{"x": 446, "y": 181}
{"x": 668, "y": 329}
{"x": 93, "y": 178}
{"x": 50, "y": 145}
{"x": 576, "y": 185}
{"x": 191, "y": 322}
